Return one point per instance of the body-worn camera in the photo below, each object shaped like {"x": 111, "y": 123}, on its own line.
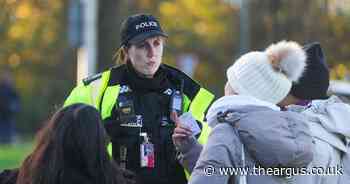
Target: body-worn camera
{"x": 176, "y": 101}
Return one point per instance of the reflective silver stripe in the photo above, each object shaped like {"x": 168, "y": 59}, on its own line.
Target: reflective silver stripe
{"x": 95, "y": 91}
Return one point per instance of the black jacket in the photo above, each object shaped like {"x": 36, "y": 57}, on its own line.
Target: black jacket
{"x": 150, "y": 106}
{"x": 74, "y": 176}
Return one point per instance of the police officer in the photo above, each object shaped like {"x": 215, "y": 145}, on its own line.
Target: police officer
{"x": 136, "y": 100}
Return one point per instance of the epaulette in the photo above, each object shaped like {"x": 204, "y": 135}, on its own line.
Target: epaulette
{"x": 92, "y": 78}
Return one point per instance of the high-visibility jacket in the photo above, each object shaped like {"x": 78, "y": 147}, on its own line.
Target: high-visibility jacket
{"x": 100, "y": 92}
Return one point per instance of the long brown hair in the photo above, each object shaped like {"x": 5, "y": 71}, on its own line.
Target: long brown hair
{"x": 73, "y": 138}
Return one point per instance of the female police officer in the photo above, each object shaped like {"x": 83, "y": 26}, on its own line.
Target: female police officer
{"x": 136, "y": 99}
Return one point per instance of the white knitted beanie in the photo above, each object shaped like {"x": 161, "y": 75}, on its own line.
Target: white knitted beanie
{"x": 268, "y": 75}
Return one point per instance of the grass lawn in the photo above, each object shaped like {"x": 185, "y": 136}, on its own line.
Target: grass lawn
{"x": 11, "y": 156}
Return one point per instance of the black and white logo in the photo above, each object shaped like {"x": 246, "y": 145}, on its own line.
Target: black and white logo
{"x": 124, "y": 89}
{"x": 146, "y": 24}
{"x": 137, "y": 122}
{"x": 168, "y": 91}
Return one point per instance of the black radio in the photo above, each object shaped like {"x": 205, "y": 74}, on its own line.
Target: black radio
{"x": 126, "y": 113}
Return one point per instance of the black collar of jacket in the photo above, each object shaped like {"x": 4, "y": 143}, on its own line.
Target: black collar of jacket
{"x": 174, "y": 76}
{"x": 158, "y": 83}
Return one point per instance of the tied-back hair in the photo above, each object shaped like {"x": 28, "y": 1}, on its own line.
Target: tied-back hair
{"x": 120, "y": 56}
{"x": 73, "y": 139}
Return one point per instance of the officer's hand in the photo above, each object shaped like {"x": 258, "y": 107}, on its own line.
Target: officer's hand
{"x": 181, "y": 132}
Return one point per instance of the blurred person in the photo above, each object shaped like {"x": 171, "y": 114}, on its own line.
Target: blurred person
{"x": 329, "y": 119}
{"x": 71, "y": 148}
{"x": 249, "y": 130}
{"x": 136, "y": 99}
{"x": 9, "y": 106}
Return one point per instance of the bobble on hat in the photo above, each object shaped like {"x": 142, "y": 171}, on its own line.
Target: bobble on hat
{"x": 289, "y": 57}
{"x": 268, "y": 75}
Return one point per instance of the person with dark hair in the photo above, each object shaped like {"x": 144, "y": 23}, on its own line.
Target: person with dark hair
{"x": 71, "y": 148}
{"x": 329, "y": 120}
{"x": 136, "y": 100}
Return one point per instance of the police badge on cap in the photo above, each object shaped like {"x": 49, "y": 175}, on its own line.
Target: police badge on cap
{"x": 139, "y": 27}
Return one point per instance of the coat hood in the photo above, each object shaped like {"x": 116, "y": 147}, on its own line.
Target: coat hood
{"x": 333, "y": 116}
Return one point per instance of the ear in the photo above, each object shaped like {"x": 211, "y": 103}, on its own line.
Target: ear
{"x": 121, "y": 55}
{"x": 124, "y": 53}
{"x": 164, "y": 39}
{"x": 275, "y": 61}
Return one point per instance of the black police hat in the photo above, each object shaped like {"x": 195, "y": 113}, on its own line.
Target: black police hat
{"x": 139, "y": 27}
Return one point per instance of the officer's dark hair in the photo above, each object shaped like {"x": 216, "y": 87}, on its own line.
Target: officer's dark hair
{"x": 74, "y": 138}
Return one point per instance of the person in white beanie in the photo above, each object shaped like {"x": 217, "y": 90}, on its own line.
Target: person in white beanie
{"x": 268, "y": 75}
{"x": 249, "y": 130}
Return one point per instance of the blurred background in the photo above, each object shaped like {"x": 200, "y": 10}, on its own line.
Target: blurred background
{"x": 43, "y": 42}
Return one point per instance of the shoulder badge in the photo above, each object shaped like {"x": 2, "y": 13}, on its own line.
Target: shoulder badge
{"x": 92, "y": 78}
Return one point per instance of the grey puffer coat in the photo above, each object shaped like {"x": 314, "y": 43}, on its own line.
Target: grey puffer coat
{"x": 258, "y": 138}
